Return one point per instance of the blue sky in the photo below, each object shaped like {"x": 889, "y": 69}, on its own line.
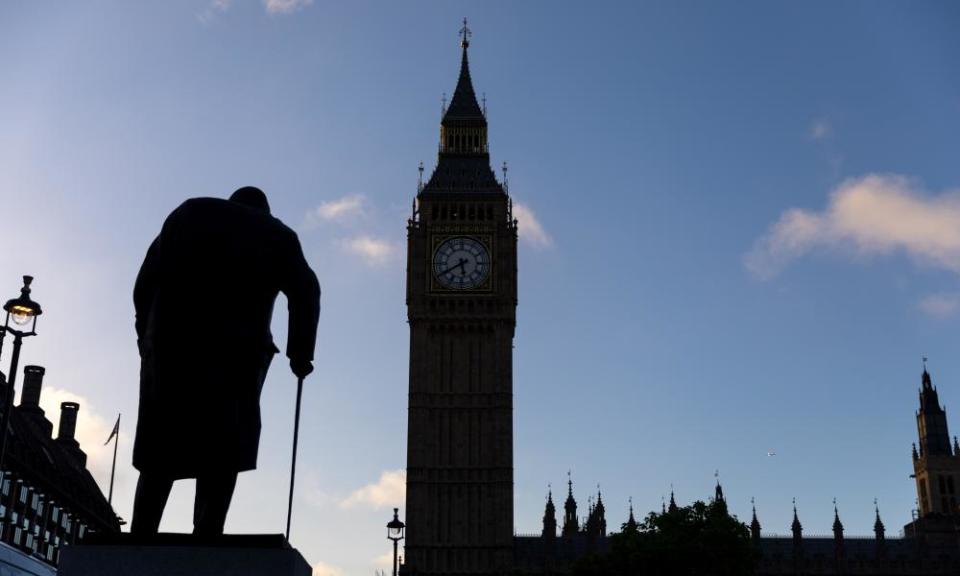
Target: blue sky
{"x": 741, "y": 232}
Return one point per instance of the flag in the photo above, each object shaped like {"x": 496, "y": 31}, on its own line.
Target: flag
{"x": 116, "y": 430}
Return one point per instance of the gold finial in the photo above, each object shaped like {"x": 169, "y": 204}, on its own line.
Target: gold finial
{"x": 465, "y": 34}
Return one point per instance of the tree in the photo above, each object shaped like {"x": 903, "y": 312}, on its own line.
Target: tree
{"x": 696, "y": 540}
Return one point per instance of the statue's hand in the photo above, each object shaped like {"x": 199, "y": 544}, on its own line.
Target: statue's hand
{"x": 301, "y": 368}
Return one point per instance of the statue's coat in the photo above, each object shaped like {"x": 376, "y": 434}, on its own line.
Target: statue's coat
{"x": 204, "y": 299}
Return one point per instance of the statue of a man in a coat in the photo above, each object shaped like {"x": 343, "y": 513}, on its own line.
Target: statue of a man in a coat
{"x": 204, "y": 299}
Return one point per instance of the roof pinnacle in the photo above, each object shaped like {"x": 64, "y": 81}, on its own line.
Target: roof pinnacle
{"x": 465, "y": 34}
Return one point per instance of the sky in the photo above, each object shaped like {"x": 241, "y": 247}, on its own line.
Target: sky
{"x": 739, "y": 225}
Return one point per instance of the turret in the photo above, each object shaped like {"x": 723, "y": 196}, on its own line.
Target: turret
{"x": 631, "y": 525}
{"x": 837, "y": 524}
{"x": 932, "y": 421}
{"x": 673, "y": 503}
{"x": 571, "y": 525}
{"x": 796, "y": 528}
{"x": 879, "y": 533}
{"x": 878, "y": 529}
{"x": 936, "y": 465}
{"x": 549, "y": 517}
{"x": 754, "y": 524}
{"x": 837, "y": 534}
{"x": 600, "y": 512}
{"x": 718, "y": 500}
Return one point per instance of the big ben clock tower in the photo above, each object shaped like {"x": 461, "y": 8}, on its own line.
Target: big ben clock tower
{"x": 461, "y": 307}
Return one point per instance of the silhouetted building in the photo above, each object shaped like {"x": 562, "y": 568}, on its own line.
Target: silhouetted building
{"x": 48, "y": 499}
{"x": 461, "y": 307}
{"x": 930, "y": 545}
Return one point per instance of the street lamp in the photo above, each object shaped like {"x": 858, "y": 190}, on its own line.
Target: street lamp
{"x": 395, "y": 532}
{"x": 22, "y": 312}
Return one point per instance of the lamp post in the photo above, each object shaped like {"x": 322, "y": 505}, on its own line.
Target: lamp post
{"x": 395, "y": 532}
{"x": 22, "y": 312}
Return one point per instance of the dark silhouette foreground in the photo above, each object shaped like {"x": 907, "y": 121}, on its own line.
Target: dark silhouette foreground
{"x": 700, "y": 539}
{"x": 204, "y": 300}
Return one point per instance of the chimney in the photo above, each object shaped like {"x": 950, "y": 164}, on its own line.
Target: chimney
{"x": 68, "y": 421}
{"x": 67, "y": 430}
{"x": 32, "y": 383}
{"x": 30, "y": 398}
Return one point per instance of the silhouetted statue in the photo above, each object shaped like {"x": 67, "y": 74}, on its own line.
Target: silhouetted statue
{"x": 204, "y": 300}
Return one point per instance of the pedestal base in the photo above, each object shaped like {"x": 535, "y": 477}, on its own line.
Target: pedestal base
{"x": 183, "y": 555}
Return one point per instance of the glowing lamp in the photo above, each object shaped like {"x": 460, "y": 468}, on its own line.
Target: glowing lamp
{"x": 395, "y": 527}
{"x": 22, "y": 310}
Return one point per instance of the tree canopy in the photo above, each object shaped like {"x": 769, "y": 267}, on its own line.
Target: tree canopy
{"x": 696, "y": 540}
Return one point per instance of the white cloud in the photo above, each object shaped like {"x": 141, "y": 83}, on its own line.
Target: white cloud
{"x": 874, "y": 214}
{"x": 373, "y": 250}
{"x": 388, "y": 492}
{"x": 285, "y": 6}
{"x": 529, "y": 228}
{"x": 820, "y": 129}
{"x": 212, "y": 9}
{"x": 337, "y": 210}
{"x": 384, "y": 560}
{"x": 940, "y": 305}
{"x": 324, "y": 569}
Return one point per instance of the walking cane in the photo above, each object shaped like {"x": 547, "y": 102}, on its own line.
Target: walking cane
{"x": 293, "y": 463}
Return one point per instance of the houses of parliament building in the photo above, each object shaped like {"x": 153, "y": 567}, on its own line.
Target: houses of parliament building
{"x": 461, "y": 294}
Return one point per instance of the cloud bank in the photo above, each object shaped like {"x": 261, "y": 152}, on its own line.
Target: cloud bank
{"x": 339, "y": 210}
{"x": 529, "y": 228}
{"x": 324, "y": 569}
{"x": 940, "y": 306}
{"x": 388, "y": 492}
{"x": 373, "y": 251}
{"x": 285, "y": 6}
{"x": 876, "y": 214}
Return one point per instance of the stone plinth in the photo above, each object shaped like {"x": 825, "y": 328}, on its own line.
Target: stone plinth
{"x": 183, "y": 555}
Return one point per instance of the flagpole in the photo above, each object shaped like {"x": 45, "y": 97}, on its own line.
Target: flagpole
{"x": 113, "y": 469}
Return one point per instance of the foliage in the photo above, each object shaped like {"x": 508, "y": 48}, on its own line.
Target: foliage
{"x": 697, "y": 540}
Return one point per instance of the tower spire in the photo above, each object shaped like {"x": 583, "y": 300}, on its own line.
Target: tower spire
{"x": 932, "y": 420}
{"x": 754, "y": 523}
{"x": 464, "y": 108}
{"x": 549, "y": 516}
{"x": 837, "y": 525}
{"x": 796, "y": 527}
{"x": 718, "y": 491}
{"x": 878, "y": 529}
{"x": 571, "y": 524}
{"x": 631, "y": 521}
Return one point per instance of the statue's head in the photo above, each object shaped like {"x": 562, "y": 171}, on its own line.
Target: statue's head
{"x": 252, "y": 197}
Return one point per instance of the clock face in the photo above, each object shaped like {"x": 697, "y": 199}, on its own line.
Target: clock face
{"x": 461, "y": 263}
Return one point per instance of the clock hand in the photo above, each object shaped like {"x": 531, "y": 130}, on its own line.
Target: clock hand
{"x": 457, "y": 265}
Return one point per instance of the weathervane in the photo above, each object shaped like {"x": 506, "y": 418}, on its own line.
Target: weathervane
{"x": 484, "y": 100}
{"x": 443, "y": 104}
{"x": 465, "y": 34}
